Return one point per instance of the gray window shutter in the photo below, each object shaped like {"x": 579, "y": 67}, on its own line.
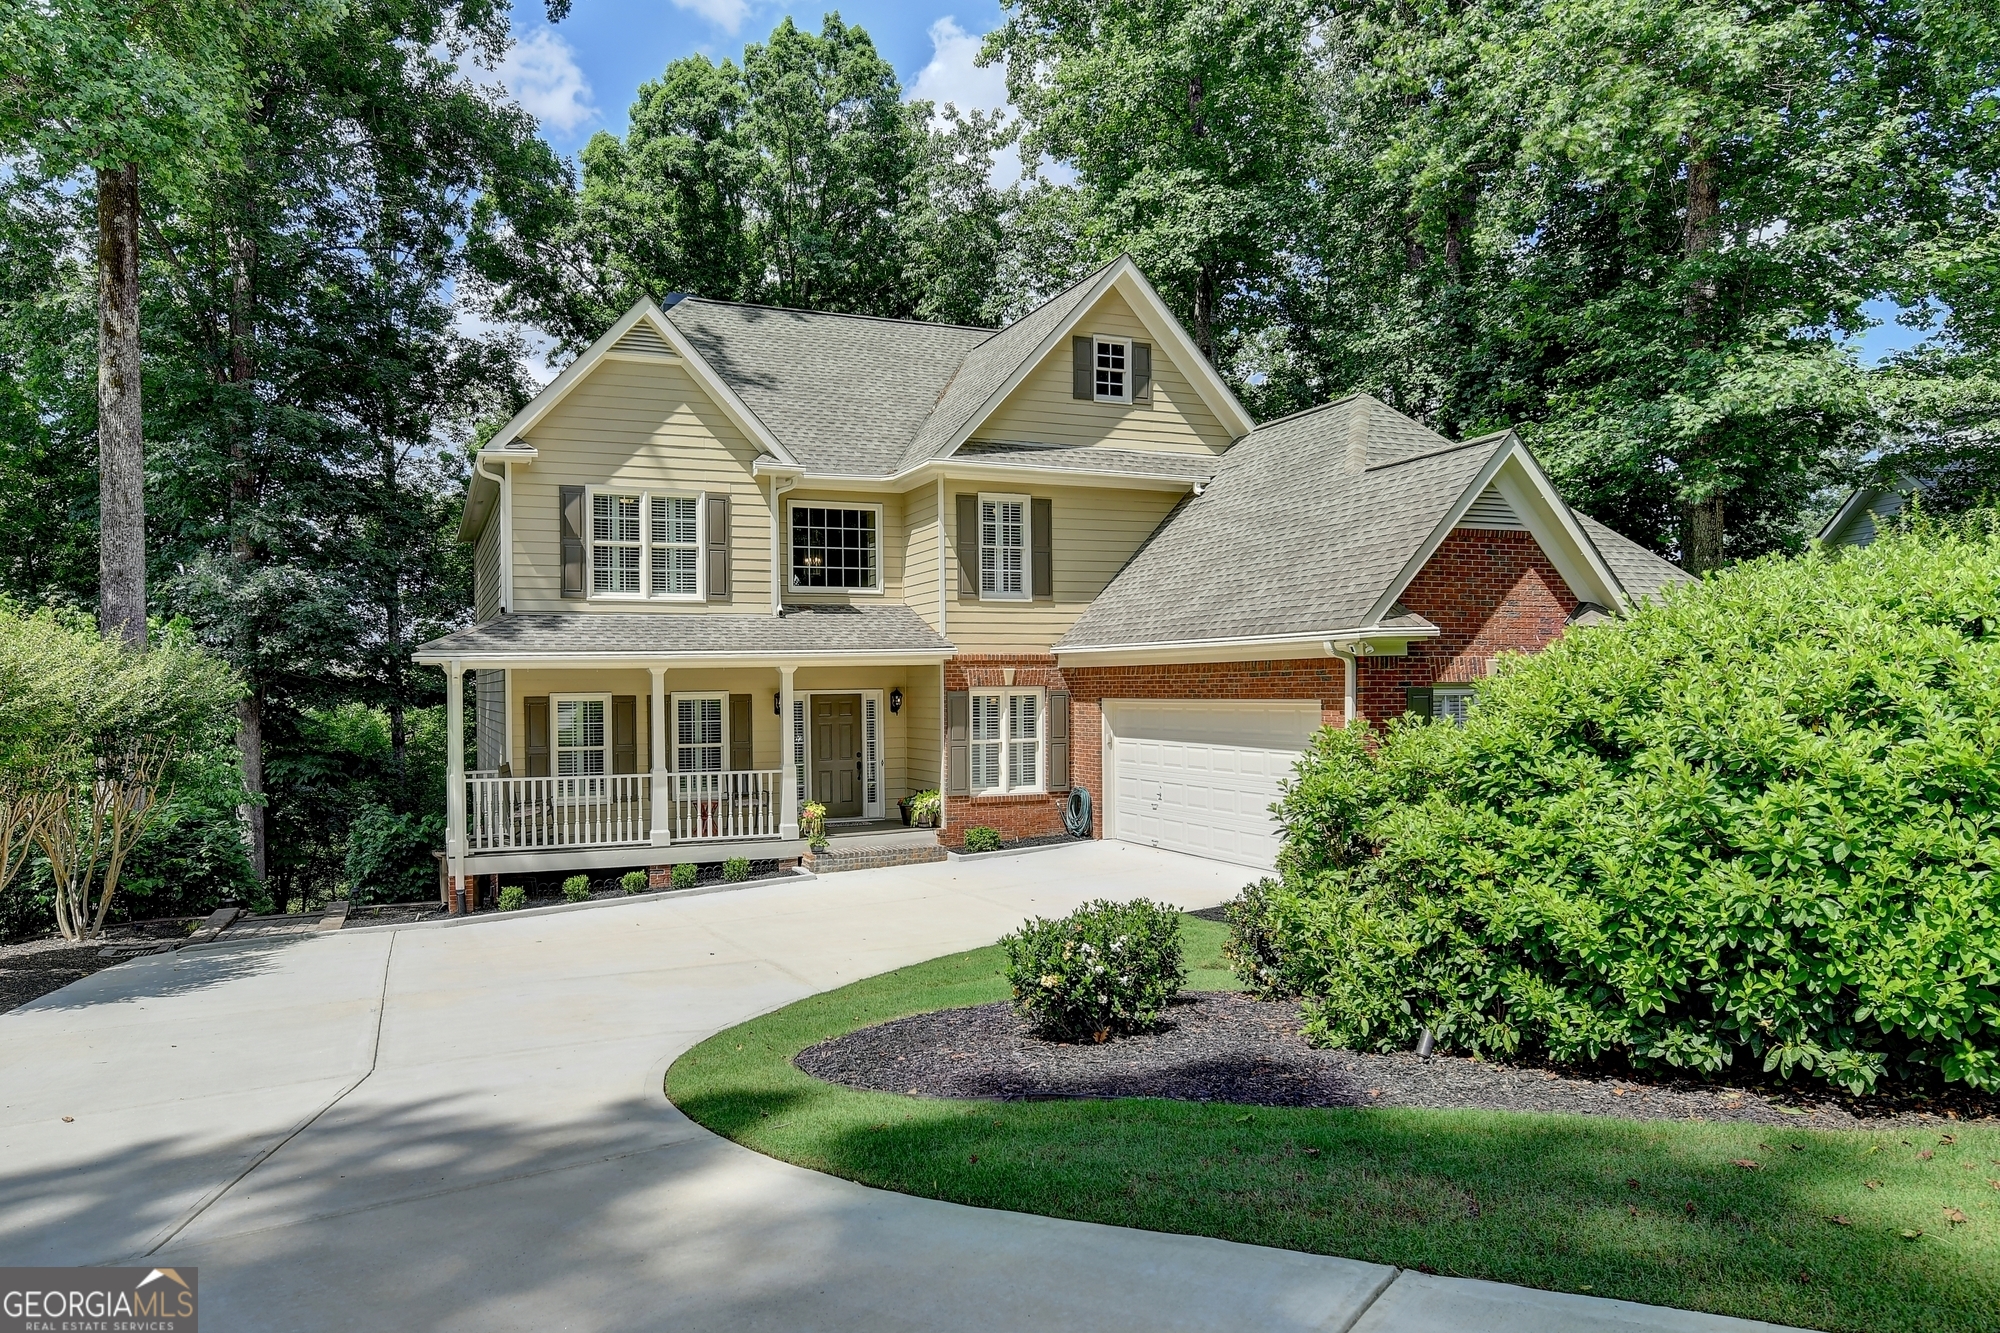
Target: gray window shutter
{"x": 739, "y": 732}
{"x": 968, "y": 546}
{"x": 1142, "y": 372}
{"x": 1083, "y": 382}
{"x": 1417, "y": 699}
{"x": 535, "y": 721}
{"x": 958, "y": 743}
{"x": 573, "y": 572}
{"x": 718, "y": 548}
{"x": 1058, "y": 740}
{"x": 1040, "y": 520}
{"x": 624, "y": 733}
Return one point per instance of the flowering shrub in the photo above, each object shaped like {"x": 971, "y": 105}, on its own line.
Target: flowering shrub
{"x": 1758, "y": 824}
{"x": 1105, "y": 968}
{"x": 980, "y": 838}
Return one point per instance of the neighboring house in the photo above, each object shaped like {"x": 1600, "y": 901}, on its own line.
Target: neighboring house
{"x": 736, "y": 557}
{"x": 1865, "y": 509}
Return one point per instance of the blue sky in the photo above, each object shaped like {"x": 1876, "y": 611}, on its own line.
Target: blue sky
{"x": 580, "y": 76}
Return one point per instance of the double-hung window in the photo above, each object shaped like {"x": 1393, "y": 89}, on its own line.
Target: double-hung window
{"x": 836, "y": 547}
{"x": 1006, "y": 741}
{"x": 675, "y": 540}
{"x": 701, "y": 732}
{"x": 580, "y": 740}
{"x": 614, "y": 545}
{"x": 1111, "y": 370}
{"x": 1003, "y": 547}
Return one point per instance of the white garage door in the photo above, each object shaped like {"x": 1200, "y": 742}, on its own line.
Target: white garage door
{"x": 1201, "y": 777}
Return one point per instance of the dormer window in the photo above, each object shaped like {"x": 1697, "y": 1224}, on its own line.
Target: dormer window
{"x": 1112, "y": 367}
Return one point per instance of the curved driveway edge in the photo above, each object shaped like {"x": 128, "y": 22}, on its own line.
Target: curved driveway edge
{"x": 464, "y": 1129}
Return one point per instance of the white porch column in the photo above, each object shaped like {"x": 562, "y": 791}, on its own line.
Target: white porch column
{"x": 454, "y": 798}
{"x": 656, "y": 751}
{"x": 788, "y": 812}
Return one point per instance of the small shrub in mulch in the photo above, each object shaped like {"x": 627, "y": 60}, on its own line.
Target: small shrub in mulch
{"x": 633, "y": 881}
{"x": 1106, "y": 968}
{"x": 513, "y": 898}
{"x": 980, "y": 838}
{"x": 577, "y": 888}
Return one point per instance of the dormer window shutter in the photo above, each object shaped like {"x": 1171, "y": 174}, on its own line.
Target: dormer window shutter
{"x": 718, "y": 548}
{"x": 572, "y": 541}
{"x": 1081, "y": 384}
{"x": 1142, "y": 372}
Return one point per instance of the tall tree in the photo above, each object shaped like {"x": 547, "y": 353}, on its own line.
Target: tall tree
{"x": 121, "y": 92}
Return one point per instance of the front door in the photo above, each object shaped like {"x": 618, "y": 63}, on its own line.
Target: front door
{"x": 836, "y": 737}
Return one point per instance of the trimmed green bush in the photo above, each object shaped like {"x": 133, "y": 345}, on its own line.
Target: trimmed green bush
{"x": 633, "y": 881}
{"x": 1756, "y": 823}
{"x": 980, "y": 838}
{"x": 683, "y": 875}
{"x": 1105, "y": 968}
{"x": 577, "y": 888}
{"x": 736, "y": 869}
{"x": 513, "y": 898}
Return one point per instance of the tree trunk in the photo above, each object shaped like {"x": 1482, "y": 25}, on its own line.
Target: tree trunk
{"x": 1204, "y": 311}
{"x": 242, "y": 495}
{"x": 1701, "y": 535}
{"x": 1701, "y": 232}
{"x": 121, "y": 450}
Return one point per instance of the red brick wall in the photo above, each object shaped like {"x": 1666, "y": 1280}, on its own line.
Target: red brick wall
{"x": 1488, "y": 592}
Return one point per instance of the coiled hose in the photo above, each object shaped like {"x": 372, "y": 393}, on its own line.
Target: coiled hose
{"x": 1076, "y": 815}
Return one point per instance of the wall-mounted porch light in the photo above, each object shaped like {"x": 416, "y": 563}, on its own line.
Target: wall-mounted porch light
{"x": 895, "y": 701}
{"x": 778, "y": 703}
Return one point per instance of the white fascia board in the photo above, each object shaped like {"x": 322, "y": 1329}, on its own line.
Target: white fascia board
{"x": 1861, "y": 498}
{"x": 1547, "y": 517}
{"x": 606, "y": 661}
{"x": 1387, "y": 642}
{"x": 959, "y": 469}
{"x": 475, "y": 503}
{"x": 598, "y": 352}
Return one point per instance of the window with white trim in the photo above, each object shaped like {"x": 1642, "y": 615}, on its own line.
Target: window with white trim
{"x": 701, "y": 733}
{"x": 1003, "y": 547}
{"x": 837, "y": 546}
{"x": 1111, "y": 370}
{"x": 581, "y": 749}
{"x": 675, "y": 541}
{"x": 1452, "y": 706}
{"x": 1006, "y": 741}
{"x": 614, "y": 545}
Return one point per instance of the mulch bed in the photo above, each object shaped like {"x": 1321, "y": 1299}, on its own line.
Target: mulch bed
{"x": 30, "y": 969}
{"x": 1222, "y": 1047}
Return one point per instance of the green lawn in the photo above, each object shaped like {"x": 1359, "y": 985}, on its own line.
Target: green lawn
{"x": 1647, "y": 1211}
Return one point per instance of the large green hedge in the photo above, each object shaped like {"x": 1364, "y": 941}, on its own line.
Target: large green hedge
{"x": 1754, "y": 825}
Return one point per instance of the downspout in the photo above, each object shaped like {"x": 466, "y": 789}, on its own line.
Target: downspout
{"x": 505, "y": 518}
{"x": 778, "y": 487}
{"x": 1353, "y": 671}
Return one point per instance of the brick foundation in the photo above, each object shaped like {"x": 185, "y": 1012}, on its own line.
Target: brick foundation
{"x": 1035, "y": 816}
{"x": 834, "y": 859}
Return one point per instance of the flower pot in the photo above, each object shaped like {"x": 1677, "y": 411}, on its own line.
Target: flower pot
{"x": 903, "y": 809}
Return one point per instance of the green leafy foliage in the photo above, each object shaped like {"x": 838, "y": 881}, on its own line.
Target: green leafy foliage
{"x": 633, "y": 881}
{"x": 388, "y": 857}
{"x": 927, "y": 807}
{"x": 736, "y": 869}
{"x": 683, "y": 875}
{"x": 812, "y": 824}
{"x": 1105, "y": 968}
{"x": 981, "y": 838}
{"x": 513, "y": 897}
{"x": 1758, "y": 823}
{"x": 577, "y": 888}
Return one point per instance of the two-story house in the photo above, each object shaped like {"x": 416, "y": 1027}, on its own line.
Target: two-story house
{"x": 734, "y": 558}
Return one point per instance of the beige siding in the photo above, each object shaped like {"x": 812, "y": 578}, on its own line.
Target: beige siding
{"x": 920, "y": 570}
{"x": 1041, "y": 410}
{"x": 642, "y": 426}
{"x": 909, "y": 738}
{"x": 891, "y": 536}
{"x": 1095, "y": 531}
{"x": 486, "y": 571}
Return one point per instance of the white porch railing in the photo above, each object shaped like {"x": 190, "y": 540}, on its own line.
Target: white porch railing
{"x": 713, "y": 807}
{"x": 532, "y": 814}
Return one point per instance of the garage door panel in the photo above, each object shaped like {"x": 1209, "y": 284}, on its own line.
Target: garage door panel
{"x": 1201, "y": 778}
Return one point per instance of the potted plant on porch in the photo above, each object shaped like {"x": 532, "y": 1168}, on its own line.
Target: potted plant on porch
{"x": 924, "y": 809}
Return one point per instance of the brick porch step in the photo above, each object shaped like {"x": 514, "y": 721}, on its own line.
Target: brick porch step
{"x": 871, "y": 851}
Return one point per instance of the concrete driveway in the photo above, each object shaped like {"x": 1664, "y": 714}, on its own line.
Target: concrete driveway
{"x": 462, "y": 1127}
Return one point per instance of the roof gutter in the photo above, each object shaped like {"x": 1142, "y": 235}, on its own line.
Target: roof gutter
{"x": 1367, "y": 641}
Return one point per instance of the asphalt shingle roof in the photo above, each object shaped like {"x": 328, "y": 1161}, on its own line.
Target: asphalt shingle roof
{"x": 1642, "y": 573}
{"x": 1131, "y": 462}
{"x": 665, "y": 634}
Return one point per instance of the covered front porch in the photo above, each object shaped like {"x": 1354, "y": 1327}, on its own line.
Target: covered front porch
{"x": 590, "y": 755}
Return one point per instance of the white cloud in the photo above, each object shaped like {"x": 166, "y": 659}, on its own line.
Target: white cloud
{"x": 727, "y": 15}
{"x": 541, "y": 73}
{"x": 953, "y": 77}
